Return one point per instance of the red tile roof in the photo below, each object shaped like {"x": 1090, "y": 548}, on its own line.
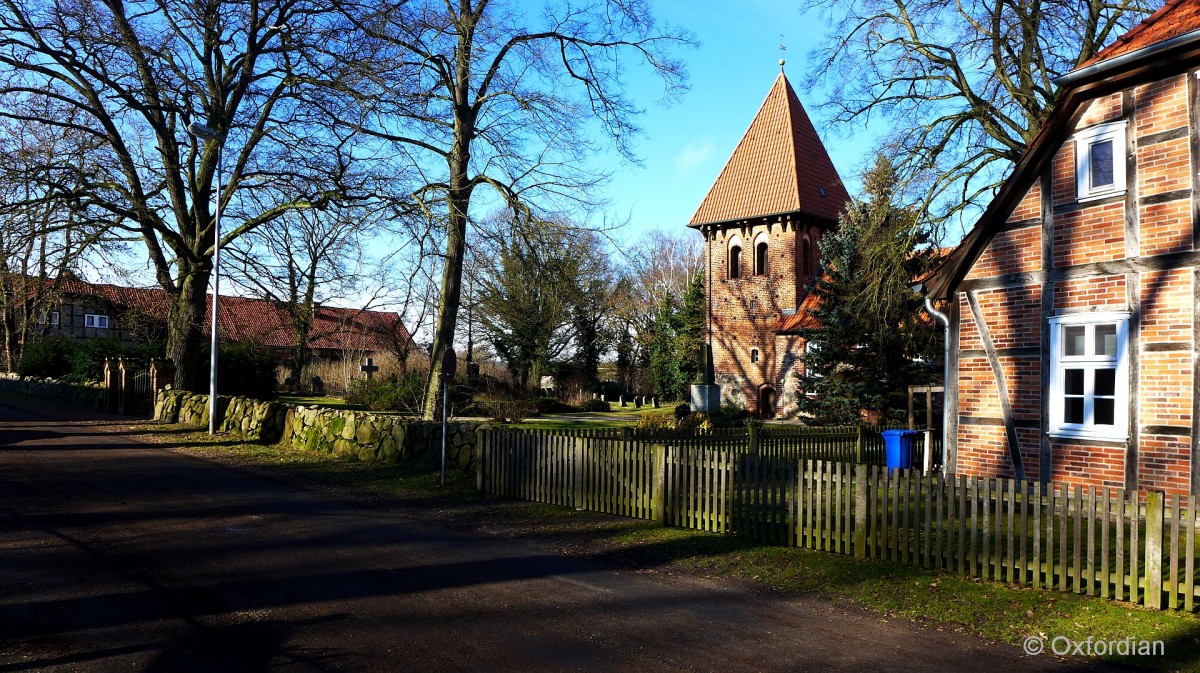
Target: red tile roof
{"x": 264, "y": 322}
{"x": 780, "y": 166}
{"x": 1174, "y": 18}
{"x": 802, "y": 319}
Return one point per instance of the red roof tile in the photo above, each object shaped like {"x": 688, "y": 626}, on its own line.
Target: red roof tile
{"x": 802, "y": 319}
{"x": 780, "y": 166}
{"x": 1174, "y": 18}
{"x": 262, "y": 321}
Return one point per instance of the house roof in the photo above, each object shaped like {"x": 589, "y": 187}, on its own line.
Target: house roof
{"x": 264, "y": 322}
{"x": 803, "y": 318}
{"x": 779, "y": 166}
{"x": 1173, "y": 19}
{"x": 1161, "y": 45}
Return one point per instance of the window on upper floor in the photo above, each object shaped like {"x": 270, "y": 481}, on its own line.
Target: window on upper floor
{"x": 754, "y": 355}
{"x": 761, "y": 250}
{"x": 805, "y": 257}
{"x": 735, "y": 258}
{"x": 1100, "y": 161}
{"x": 1089, "y": 379}
{"x": 95, "y": 320}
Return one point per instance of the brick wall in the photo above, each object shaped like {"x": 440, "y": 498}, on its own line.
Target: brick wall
{"x": 1089, "y": 244}
{"x": 746, "y": 309}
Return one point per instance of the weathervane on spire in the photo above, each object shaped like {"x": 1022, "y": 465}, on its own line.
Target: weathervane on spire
{"x": 782, "y": 49}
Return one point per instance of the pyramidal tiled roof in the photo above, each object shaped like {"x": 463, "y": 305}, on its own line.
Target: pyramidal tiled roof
{"x": 1174, "y": 18}
{"x": 780, "y": 166}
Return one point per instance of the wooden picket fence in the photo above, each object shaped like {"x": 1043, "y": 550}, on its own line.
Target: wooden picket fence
{"x": 1137, "y": 547}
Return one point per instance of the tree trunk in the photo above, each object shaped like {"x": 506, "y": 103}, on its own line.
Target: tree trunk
{"x": 187, "y": 313}
{"x": 447, "y": 319}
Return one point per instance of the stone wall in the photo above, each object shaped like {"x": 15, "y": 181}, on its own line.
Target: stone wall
{"x": 89, "y": 395}
{"x": 352, "y": 434}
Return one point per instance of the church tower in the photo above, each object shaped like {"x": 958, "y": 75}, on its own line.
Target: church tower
{"x": 762, "y": 223}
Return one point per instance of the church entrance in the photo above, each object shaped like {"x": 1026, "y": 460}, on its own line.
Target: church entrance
{"x": 766, "y": 402}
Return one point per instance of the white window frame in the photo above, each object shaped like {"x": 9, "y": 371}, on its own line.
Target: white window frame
{"x": 1059, "y": 363}
{"x": 95, "y": 320}
{"x": 55, "y": 319}
{"x": 1114, "y": 132}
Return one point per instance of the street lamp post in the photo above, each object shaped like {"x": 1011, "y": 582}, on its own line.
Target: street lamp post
{"x": 202, "y": 132}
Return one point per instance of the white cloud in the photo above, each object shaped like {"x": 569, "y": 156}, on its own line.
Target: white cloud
{"x": 693, "y": 156}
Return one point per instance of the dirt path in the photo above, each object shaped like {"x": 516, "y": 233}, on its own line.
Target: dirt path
{"x": 116, "y": 555}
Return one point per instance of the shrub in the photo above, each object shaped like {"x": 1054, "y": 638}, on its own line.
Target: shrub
{"x": 87, "y": 358}
{"x": 595, "y": 405}
{"x": 692, "y": 423}
{"x": 243, "y": 368}
{"x": 736, "y": 413}
{"x": 503, "y": 407}
{"x": 50, "y": 357}
{"x": 657, "y": 423}
{"x": 405, "y": 394}
{"x": 549, "y": 405}
{"x": 682, "y": 411}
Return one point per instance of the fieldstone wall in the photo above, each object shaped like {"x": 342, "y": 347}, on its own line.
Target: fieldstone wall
{"x": 89, "y": 395}
{"x": 352, "y": 434}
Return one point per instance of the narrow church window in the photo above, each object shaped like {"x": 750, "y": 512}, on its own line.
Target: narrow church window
{"x": 805, "y": 257}
{"x": 760, "y": 258}
{"x": 735, "y": 261}
{"x": 754, "y": 355}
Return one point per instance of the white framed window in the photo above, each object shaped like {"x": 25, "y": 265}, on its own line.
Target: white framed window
{"x": 95, "y": 320}
{"x": 1089, "y": 376}
{"x": 54, "y": 319}
{"x": 1100, "y": 161}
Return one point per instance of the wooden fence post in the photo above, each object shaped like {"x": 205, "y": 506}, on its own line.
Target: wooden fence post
{"x": 1154, "y": 546}
{"x": 480, "y": 452}
{"x": 860, "y": 511}
{"x": 752, "y": 448}
{"x": 858, "y": 446}
{"x": 577, "y": 472}
{"x": 658, "y": 496}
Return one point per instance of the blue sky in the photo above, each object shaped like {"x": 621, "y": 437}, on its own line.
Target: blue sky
{"x": 686, "y": 145}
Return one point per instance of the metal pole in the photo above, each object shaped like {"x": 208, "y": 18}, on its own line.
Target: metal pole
{"x": 945, "y": 320}
{"x": 212, "y": 361}
{"x": 445, "y": 410}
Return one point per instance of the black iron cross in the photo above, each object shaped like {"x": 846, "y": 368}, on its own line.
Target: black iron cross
{"x": 369, "y": 368}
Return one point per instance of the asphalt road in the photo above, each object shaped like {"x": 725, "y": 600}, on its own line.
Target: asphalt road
{"x": 117, "y": 555}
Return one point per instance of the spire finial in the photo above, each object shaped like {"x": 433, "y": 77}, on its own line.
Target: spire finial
{"x": 782, "y": 49}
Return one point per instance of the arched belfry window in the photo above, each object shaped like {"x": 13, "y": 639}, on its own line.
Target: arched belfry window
{"x": 806, "y": 265}
{"x": 760, "y": 255}
{"x": 735, "y": 257}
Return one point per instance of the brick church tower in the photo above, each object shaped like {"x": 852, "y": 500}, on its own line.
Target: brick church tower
{"x": 762, "y": 223}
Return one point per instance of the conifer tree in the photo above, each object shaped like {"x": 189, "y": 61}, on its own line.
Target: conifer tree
{"x": 875, "y": 340}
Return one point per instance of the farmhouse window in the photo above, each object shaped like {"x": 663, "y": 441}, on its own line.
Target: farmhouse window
{"x": 94, "y": 320}
{"x": 1089, "y": 386}
{"x": 1099, "y": 161}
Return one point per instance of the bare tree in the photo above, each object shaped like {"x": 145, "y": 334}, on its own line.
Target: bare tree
{"x": 45, "y": 232}
{"x": 963, "y": 86}
{"x": 480, "y": 93}
{"x": 135, "y": 74}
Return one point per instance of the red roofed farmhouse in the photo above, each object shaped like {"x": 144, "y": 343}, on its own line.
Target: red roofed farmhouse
{"x": 1072, "y": 303}
{"x": 762, "y": 222}
{"x": 100, "y": 310}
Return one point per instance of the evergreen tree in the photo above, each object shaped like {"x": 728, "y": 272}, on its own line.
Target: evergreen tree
{"x": 875, "y": 339}
{"x": 678, "y": 333}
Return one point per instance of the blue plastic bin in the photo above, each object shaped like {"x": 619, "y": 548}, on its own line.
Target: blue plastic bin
{"x": 898, "y": 448}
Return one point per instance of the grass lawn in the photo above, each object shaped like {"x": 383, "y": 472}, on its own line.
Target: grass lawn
{"x": 992, "y": 610}
{"x": 320, "y": 401}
